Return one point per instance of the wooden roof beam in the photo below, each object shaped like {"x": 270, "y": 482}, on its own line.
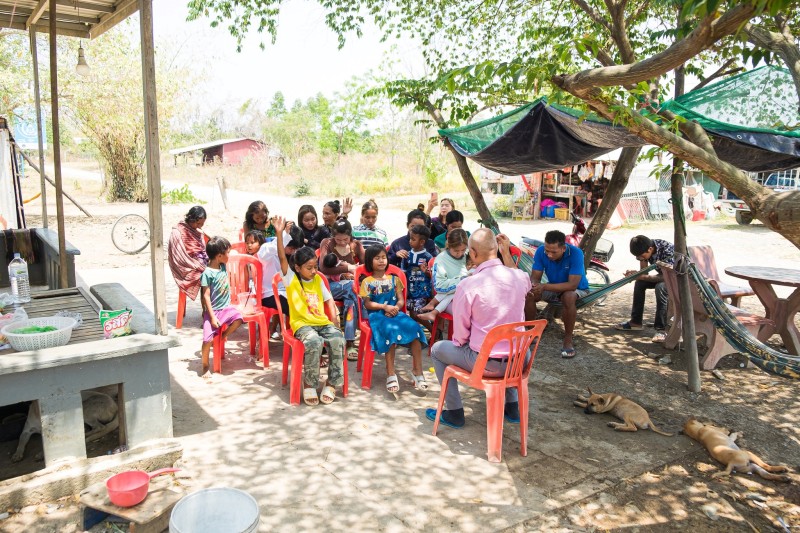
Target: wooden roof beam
{"x": 37, "y": 13}
{"x": 89, "y": 7}
{"x": 125, "y": 9}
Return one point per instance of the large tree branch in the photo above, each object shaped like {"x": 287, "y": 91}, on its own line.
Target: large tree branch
{"x": 594, "y": 15}
{"x": 708, "y": 31}
{"x": 782, "y": 44}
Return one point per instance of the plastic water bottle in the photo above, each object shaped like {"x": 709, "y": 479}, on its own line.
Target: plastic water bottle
{"x": 18, "y": 276}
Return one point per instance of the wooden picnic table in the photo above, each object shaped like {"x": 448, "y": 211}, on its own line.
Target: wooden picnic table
{"x": 781, "y": 311}
{"x": 74, "y": 300}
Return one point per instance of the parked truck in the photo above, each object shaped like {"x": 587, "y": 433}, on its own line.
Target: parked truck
{"x": 784, "y": 180}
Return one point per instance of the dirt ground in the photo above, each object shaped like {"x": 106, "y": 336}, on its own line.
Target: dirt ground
{"x": 676, "y": 494}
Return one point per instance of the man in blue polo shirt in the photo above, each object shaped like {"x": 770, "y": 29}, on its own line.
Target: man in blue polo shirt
{"x": 566, "y": 281}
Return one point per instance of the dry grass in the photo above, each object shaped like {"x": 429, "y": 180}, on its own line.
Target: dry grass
{"x": 361, "y": 175}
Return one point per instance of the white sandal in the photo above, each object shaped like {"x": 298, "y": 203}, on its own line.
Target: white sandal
{"x": 392, "y": 383}
{"x": 328, "y": 395}
{"x": 309, "y": 395}
{"x": 419, "y": 382}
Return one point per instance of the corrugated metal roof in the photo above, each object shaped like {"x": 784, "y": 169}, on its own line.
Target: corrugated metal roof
{"x": 210, "y": 144}
{"x": 75, "y": 18}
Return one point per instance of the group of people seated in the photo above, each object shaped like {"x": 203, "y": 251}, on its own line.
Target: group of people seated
{"x": 472, "y": 277}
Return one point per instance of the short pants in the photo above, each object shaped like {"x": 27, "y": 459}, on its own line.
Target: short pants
{"x": 555, "y": 297}
{"x": 226, "y": 316}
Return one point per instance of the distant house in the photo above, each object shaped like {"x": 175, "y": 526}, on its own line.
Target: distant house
{"x": 226, "y": 151}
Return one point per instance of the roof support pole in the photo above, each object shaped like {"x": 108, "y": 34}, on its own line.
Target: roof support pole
{"x": 153, "y": 165}
{"x": 38, "y": 98}
{"x": 62, "y": 241}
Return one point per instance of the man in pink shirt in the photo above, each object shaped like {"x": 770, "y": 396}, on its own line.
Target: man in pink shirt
{"x": 493, "y": 294}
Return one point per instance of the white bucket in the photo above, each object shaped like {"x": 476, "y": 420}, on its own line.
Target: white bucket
{"x": 216, "y": 510}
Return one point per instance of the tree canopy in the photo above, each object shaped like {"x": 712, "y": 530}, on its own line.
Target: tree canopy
{"x": 614, "y": 57}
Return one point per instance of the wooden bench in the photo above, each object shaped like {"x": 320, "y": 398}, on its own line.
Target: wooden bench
{"x": 717, "y": 346}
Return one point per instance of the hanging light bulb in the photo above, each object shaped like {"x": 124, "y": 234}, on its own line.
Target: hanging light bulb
{"x": 82, "y": 67}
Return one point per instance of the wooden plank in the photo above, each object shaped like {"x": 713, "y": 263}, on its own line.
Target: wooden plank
{"x": 38, "y": 101}
{"x": 163, "y": 494}
{"x": 123, "y": 10}
{"x": 37, "y": 13}
{"x": 153, "y": 153}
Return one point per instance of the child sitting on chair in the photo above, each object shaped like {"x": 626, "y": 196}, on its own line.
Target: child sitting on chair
{"x": 383, "y": 298}
{"x": 307, "y": 297}
{"x": 449, "y": 268}
{"x": 215, "y": 296}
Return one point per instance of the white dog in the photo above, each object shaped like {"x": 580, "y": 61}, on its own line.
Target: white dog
{"x": 99, "y": 413}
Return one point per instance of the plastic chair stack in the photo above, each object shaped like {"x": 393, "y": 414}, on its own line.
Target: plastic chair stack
{"x": 295, "y": 347}
{"x": 366, "y": 356}
{"x": 242, "y": 269}
{"x": 519, "y": 340}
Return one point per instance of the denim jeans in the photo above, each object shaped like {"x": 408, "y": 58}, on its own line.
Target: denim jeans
{"x": 637, "y": 312}
{"x": 343, "y": 291}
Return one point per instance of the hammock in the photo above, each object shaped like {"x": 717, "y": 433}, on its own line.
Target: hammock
{"x": 763, "y": 356}
{"x": 598, "y": 292}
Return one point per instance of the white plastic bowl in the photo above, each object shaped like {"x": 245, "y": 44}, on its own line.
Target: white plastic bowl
{"x": 37, "y": 341}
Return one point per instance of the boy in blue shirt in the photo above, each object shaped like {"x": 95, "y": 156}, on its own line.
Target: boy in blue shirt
{"x": 566, "y": 281}
{"x": 414, "y": 264}
{"x": 400, "y": 247}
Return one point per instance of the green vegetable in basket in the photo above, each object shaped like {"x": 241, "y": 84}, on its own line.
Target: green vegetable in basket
{"x": 34, "y": 329}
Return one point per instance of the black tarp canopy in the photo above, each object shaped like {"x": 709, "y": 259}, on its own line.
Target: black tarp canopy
{"x": 752, "y": 119}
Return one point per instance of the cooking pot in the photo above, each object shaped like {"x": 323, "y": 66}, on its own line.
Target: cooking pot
{"x": 127, "y": 489}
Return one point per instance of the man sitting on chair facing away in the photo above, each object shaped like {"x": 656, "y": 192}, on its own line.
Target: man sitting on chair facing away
{"x": 566, "y": 282}
{"x": 492, "y": 295}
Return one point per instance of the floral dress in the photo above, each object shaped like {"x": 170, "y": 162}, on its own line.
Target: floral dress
{"x": 400, "y": 329}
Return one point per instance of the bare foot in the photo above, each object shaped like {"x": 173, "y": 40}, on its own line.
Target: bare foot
{"x": 427, "y": 309}
{"x": 430, "y": 316}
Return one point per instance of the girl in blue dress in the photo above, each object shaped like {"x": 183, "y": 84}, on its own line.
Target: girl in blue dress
{"x": 383, "y": 298}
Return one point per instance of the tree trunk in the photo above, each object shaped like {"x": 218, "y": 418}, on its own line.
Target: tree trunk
{"x": 619, "y": 180}
{"x": 783, "y": 44}
{"x": 681, "y": 251}
{"x": 474, "y": 190}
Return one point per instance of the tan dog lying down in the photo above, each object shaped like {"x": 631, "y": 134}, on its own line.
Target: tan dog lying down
{"x": 633, "y": 415}
{"x": 723, "y": 448}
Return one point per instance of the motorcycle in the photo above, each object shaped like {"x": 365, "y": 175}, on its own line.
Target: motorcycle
{"x": 597, "y": 273}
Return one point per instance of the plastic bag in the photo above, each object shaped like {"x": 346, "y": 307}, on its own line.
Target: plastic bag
{"x": 116, "y": 323}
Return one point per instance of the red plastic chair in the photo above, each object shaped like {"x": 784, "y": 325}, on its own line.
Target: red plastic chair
{"x": 298, "y": 351}
{"x": 439, "y": 317}
{"x": 241, "y": 234}
{"x": 366, "y": 356}
{"x": 240, "y": 272}
{"x": 239, "y": 247}
{"x": 517, "y": 373}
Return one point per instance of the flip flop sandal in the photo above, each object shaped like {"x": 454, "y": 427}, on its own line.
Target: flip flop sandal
{"x": 659, "y": 337}
{"x": 568, "y": 353}
{"x": 627, "y": 326}
{"x": 392, "y": 385}
{"x": 310, "y": 396}
{"x": 419, "y": 382}
{"x": 328, "y": 395}
{"x": 352, "y": 354}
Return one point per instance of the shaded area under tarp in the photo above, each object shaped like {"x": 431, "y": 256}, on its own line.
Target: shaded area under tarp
{"x": 752, "y": 119}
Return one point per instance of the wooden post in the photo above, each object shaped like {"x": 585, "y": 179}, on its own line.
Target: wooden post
{"x": 223, "y": 192}
{"x": 62, "y": 240}
{"x": 37, "y": 97}
{"x": 153, "y": 165}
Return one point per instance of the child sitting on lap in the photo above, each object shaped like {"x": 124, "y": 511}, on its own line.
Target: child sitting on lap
{"x": 307, "y": 297}
{"x": 415, "y": 266}
{"x": 449, "y": 269}
{"x": 215, "y": 296}
{"x": 331, "y": 261}
{"x": 383, "y": 299}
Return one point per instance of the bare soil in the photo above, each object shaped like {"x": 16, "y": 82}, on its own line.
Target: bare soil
{"x": 677, "y": 494}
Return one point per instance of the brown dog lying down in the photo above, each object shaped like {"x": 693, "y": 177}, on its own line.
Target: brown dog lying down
{"x": 99, "y": 413}
{"x": 633, "y": 415}
{"x": 723, "y": 448}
